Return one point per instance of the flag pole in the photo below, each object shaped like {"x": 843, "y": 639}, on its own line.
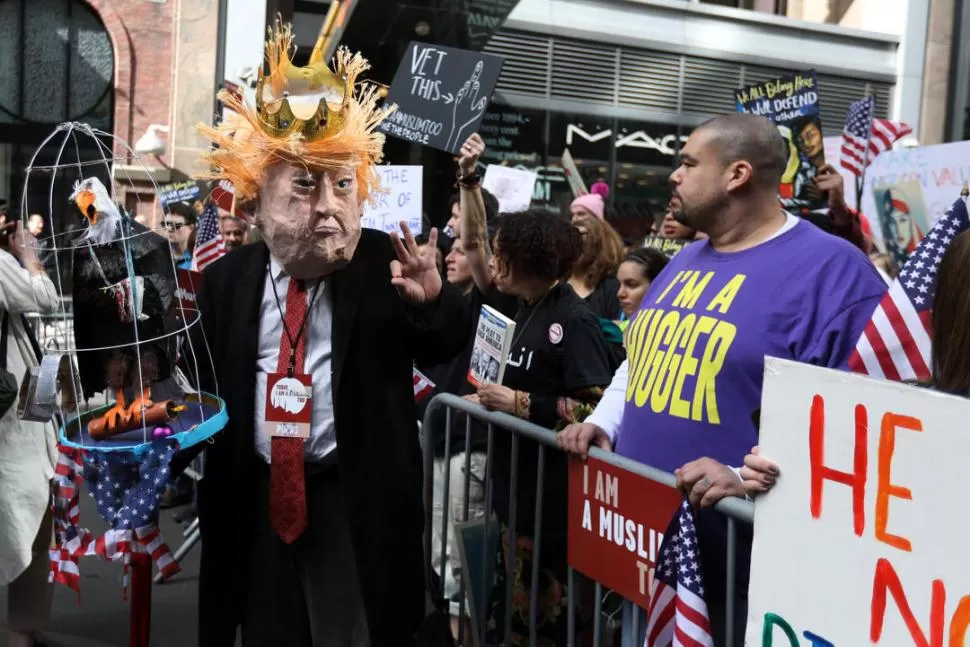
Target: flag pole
{"x": 860, "y": 182}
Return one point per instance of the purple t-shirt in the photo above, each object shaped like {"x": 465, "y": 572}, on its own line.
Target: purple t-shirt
{"x": 696, "y": 348}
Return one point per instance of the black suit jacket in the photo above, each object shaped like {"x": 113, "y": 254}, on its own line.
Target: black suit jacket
{"x": 376, "y": 337}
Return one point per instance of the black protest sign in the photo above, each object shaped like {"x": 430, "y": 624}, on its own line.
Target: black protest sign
{"x": 668, "y": 246}
{"x": 441, "y": 95}
{"x": 792, "y": 103}
{"x": 186, "y": 191}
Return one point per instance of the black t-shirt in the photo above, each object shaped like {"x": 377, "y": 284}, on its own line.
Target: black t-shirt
{"x": 558, "y": 349}
{"x": 603, "y": 300}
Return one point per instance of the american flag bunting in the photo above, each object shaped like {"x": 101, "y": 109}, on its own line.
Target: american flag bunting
{"x": 127, "y": 489}
{"x": 895, "y": 344}
{"x": 864, "y": 137}
{"x": 677, "y": 615}
{"x": 208, "y": 238}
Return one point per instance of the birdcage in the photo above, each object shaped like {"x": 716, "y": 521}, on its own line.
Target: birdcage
{"x": 130, "y": 378}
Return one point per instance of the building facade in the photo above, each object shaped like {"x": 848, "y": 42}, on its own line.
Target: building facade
{"x": 619, "y": 82}
{"x": 623, "y": 83}
{"x": 121, "y": 66}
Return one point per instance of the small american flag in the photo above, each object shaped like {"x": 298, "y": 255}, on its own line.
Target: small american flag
{"x": 862, "y": 130}
{"x": 895, "y": 344}
{"x": 208, "y": 238}
{"x": 423, "y": 387}
{"x": 678, "y": 612}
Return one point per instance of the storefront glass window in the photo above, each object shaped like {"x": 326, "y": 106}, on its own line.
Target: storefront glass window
{"x": 645, "y": 155}
{"x": 590, "y": 142}
{"x": 516, "y": 137}
{"x": 635, "y": 158}
{"x": 58, "y": 65}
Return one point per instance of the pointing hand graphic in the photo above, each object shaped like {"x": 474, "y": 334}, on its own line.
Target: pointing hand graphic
{"x": 468, "y": 107}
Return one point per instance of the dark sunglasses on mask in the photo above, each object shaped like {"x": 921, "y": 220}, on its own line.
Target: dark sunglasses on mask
{"x": 173, "y": 226}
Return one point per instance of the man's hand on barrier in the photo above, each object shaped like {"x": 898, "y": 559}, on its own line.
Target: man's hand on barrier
{"x": 577, "y": 438}
{"x": 759, "y": 474}
{"x": 471, "y": 397}
{"x": 706, "y": 481}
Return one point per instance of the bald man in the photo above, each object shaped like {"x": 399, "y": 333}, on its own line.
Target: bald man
{"x": 763, "y": 283}
{"x": 234, "y": 231}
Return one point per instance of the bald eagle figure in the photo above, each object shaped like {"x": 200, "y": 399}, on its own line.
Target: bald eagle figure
{"x": 124, "y": 285}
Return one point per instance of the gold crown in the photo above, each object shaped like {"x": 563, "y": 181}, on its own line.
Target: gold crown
{"x": 311, "y": 102}
{"x": 321, "y": 117}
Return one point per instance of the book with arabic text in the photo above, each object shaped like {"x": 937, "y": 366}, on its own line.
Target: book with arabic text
{"x": 493, "y": 338}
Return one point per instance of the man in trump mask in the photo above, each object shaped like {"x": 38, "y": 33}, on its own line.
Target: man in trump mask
{"x": 311, "y": 511}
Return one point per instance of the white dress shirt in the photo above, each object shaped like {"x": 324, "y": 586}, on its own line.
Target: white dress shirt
{"x": 316, "y": 361}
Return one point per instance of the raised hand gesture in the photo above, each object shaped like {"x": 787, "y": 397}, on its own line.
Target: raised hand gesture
{"x": 415, "y": 273}
{"x": 469, "y": 153}
{"x": 468, "y": 106}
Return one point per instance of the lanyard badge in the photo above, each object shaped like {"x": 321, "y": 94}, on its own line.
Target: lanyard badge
{"x": 289, "y": 404}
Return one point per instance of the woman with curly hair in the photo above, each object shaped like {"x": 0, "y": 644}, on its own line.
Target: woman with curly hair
{"x": 558, "y": 367}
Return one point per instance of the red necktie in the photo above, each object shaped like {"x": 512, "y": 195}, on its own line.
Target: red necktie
{"x": 287, "y": 492}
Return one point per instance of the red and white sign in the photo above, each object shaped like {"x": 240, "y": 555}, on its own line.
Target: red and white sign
{"x": 224, "y": 195}
{"x": 616, "y": 524}
{"x": 288, "y": 405}
{"x": 185, "y": 292}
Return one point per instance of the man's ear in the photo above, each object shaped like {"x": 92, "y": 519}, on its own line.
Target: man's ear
{"x": 740, "y": 173}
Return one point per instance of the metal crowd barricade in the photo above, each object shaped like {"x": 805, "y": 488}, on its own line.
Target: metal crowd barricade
{"x": 735, "y": 510}
{"x": 55, "y": 331}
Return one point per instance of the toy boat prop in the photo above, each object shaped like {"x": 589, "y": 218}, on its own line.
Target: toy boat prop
{"x": 204, "y": 416}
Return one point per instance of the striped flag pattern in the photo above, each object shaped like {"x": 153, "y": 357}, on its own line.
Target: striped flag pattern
{"x": 677, "y": 615}
{"x": 895, "y": 344}
{"x": 423, "y": 387}
{"x": 861, "y": 130}
{"x": 132, "y": 498}
{"x": 208, "y": 238}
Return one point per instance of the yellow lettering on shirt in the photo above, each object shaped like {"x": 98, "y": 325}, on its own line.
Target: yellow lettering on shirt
{"x": 717, "y": 347}
{"x": 692, "y": 290}
{"x": 668, "y": 371}
{"x": 678, "y": 278}
{"x": 688, "y": 366}
{"x": 725, "y": 297}
{"x": 666, "y": 347}
{"x": 634, "y": 333}
{"x": 648, "y": 372}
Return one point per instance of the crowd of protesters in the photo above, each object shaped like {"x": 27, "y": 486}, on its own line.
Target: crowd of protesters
{"x": 774, "y": 283}
{"x": 658, "y": 358}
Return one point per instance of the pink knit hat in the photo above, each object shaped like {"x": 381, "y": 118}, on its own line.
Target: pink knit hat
{"x": 595, "y": 201}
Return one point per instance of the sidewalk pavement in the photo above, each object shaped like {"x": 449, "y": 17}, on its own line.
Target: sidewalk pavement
{"x": 101, "y": 619}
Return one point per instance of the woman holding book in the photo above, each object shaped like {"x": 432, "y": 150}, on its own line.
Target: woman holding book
{"x": 555, "y": 373}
